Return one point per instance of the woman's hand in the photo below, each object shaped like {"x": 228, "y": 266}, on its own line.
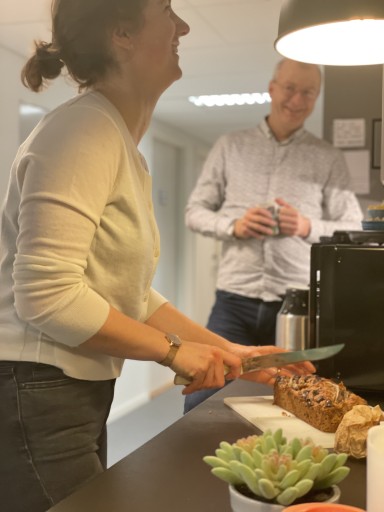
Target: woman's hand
{"x": 204, "y": 365}
{"x": 268, "y": 375}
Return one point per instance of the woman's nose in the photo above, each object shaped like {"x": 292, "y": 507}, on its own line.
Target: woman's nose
{"x": 183, "y": 27}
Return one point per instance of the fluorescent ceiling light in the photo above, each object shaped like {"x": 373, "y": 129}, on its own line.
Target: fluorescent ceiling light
{"x": 28, "y": 110}
{"x": 230, "y": 100}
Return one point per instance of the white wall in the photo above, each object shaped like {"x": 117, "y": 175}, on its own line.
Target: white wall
{"x": 12, "y": 93}
{"x": 139, "y": 380}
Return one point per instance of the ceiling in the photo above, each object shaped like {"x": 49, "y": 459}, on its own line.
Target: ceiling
{"x": 228, "y": 50}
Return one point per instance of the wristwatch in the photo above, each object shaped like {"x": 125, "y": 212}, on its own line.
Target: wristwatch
{"x": 174, "y": 345}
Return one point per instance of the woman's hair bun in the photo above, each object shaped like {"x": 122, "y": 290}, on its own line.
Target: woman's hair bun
{"x": 45, "y": 64}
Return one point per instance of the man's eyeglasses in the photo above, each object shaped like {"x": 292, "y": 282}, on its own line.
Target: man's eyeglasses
{"x": 290, "y": 90}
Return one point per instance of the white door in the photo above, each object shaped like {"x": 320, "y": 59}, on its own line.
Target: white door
{"x": 165, "y": 192}
{"x": 207, "y": 260}
{"x": 207, "y": 251}
{"x": 165, "y": 169}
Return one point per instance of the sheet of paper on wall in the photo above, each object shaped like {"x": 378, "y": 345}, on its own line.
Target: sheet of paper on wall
{"x": 349, "y": 133}
{"x": 359, "y": 169}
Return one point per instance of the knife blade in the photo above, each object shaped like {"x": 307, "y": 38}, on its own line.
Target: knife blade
{"x": 277, "y": 359}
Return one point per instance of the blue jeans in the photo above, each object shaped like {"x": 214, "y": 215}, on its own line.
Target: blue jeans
{"x": 52, "y": 434}
{"x": 241, "y": 320}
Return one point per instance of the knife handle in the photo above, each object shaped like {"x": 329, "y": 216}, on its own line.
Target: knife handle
{"x": 181, "y": 381}
{"x": 184, "y": 381}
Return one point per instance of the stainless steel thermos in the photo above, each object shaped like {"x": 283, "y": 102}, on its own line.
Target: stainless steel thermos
{"x": 292, "y": 320}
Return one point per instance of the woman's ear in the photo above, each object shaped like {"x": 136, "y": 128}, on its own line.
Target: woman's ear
{"x": 122, "y": 37}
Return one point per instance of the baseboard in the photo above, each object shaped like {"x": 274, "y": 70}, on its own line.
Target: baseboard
{"x": 161, "y": 389}
{"x": 127, "y": 407}
{"x": 132, "y": 404}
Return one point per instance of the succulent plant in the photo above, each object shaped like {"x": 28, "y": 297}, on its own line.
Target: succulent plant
{"x": 276, "y": 470}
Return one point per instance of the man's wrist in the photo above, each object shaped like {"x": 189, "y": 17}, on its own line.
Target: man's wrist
{"x": 230, "y": 231}
{"x": 307, "y": 228}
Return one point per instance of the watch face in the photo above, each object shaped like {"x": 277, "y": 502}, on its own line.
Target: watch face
{"x": 173, "y": 339}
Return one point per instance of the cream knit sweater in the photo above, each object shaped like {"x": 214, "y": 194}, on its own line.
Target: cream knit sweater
{"x": 77, "y": 234}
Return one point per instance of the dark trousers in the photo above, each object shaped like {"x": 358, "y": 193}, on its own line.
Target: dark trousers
{"x": 241, "y": 320}
{"x": 52, "y": 434}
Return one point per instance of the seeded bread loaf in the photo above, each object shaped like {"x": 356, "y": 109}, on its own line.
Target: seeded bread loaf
{"x": 320, "y": 402}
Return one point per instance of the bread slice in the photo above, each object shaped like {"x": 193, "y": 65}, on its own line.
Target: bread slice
{"x": 318, "y": 401}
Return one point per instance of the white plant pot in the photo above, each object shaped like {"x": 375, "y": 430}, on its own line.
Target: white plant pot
{"x": 241, "y": 503}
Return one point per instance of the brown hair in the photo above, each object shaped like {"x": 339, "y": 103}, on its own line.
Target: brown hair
{"x": 79, "y": 41}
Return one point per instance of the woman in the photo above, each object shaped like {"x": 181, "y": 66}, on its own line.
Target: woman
{"x": 79, "y": 247}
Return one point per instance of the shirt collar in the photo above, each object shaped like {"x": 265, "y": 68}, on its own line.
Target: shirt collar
{"x": 264, "y": 126}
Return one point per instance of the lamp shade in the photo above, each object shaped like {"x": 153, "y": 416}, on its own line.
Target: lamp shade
{"x": 333, "y": 32}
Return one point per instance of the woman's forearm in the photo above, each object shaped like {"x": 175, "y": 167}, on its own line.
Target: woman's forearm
{"x": 201, "y": 359}
{"x": 124, "y": 337}
{"x": 169, "y": 319}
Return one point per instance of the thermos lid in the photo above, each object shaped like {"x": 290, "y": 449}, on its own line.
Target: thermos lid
{"x": 295, "y": 301}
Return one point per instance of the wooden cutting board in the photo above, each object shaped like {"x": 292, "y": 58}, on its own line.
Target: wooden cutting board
{"x": 260, "y": 411}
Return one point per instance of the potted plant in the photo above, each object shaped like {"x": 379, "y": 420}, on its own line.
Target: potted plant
{"x": 267, "y": 473}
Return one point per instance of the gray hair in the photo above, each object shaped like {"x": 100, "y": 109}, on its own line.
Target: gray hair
{"x": 307, "y": 65}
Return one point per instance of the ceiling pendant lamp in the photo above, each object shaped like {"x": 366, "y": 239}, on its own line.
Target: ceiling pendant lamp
{"x": 332, "y": 32}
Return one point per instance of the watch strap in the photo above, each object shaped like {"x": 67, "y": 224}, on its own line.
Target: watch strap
{"x": 174, "y": 345}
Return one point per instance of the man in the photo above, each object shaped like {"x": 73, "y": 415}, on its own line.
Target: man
{"x": 279, "y": 163}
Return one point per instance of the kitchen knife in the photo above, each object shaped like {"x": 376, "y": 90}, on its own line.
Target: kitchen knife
{"x": 252, "y": 364}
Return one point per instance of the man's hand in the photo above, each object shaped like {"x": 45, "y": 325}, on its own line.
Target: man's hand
{"x": 257, "y": 222}
{"x": 291, "y": 222}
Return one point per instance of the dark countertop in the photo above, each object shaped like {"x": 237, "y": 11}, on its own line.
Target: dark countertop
{"x": 167, "y": 473}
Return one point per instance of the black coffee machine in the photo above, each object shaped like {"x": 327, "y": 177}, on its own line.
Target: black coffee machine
{"x": 346, "y": 305}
